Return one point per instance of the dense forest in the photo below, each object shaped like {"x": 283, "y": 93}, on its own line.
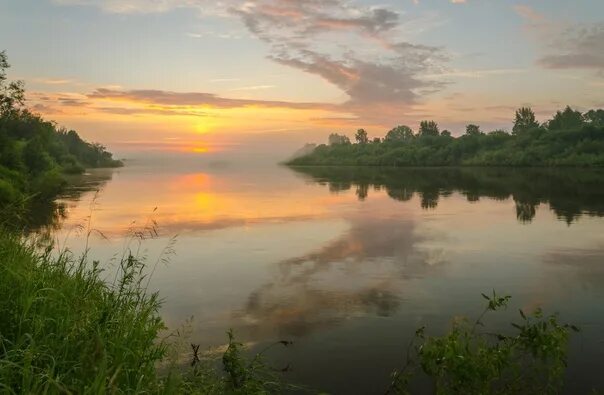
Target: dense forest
{"x": 570, "y": 138}
{"x": 35, "y": 154}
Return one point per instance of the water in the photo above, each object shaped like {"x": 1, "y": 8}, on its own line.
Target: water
{"x": 348, "y": 262}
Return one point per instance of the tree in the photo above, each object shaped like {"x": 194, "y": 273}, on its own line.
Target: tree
{"x": 35, "y": 157}
{"x": 525, "y": 120}
{"x": 566, "y": 119}
{"x": 12, "y": 94}
{"x": 399, "y": 133}
{"x": 445, "y": 133}
{"x": 338, "y": 139}
{"x": 428, "y": 128}
{"x": 595, "y": 117}
{"x": 361, "y": 137}
{"x": 473, "y": 130}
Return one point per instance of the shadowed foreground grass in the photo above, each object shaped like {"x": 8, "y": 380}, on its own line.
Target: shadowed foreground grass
{"x": 65, "y": 330}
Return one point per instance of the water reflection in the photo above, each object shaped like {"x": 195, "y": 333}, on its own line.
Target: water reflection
{"x": 48, "y": 216}
{"x": 349, "y": 275}
{"x": 587, "y": 264}
{"x": 360, "y": 273}
{"x": 570, "y": 193}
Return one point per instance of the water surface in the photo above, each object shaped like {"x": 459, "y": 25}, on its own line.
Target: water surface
{"x": 348, "y": 262}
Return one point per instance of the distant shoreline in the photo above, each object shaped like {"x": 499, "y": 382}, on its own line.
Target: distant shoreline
{"x": 569, "y": 139}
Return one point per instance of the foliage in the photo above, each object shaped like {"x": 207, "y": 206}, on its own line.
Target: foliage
{"x": 338, "y": 139}
{"x": 428, "y": 128}
{"x": 361, "y": 137}
{"x": 568, "y": 139}
{"x": 34, "y": 153}
{"x": 249, "y": 377}
{"x": 12, "y": 94}
{"x": 566, "y": 119}
{"x": 467, "y": 360}
{"x": 473, "y": 130}
{"x": 65, "y": 330}
{"x": 399, "y": 133}
{"x": 524, "y": 121}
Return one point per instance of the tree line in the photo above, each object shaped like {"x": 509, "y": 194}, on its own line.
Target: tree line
{"x": 35, "y": 153}
{"x": 569, "y": 138}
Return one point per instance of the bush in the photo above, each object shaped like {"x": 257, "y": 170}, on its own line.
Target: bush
{"x": 468, "y": 360}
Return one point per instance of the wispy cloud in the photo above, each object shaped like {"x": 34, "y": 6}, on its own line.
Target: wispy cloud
{"x": 529, "y": 14}
{"x": 578, "y": 47}
{"x": 53, "y": 81}
{"x": 565, "y": 46}
{"x": 362, "y": 50}
{"x": 254, "y": 88}
{"x": 297, "y": 32}
{"x": 224, "y": 80}
{"x": 199, "y": 99}
{"x": 479, "y": 73}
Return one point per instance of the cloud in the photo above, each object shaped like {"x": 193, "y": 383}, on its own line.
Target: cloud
{"x": 362, "y": 50}
{"x": 225, "y": 80}
{"x": 272, "y": 20}
{"x": 533, "y": 17}
{"x": 254, "y": 88}
{"x": 479, "y": 73}
{"x": 131, "y": 6}
{"x": 564, "y": 46}
{"x": 146, "y": 111}
{"x": 199, "y": 99}
{"x": 297, "y": 30}
{"x": 578, "y": 47}
{"x": 53, "y": 81}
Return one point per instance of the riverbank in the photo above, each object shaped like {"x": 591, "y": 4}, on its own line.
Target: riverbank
{"x": 66, "y": 329}
{"x": 570, "y": 138}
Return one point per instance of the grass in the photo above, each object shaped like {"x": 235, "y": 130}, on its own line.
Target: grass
{"x": 66, "y": 330}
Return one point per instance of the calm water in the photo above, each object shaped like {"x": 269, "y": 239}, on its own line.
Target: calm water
{"x": 348, "y": 262}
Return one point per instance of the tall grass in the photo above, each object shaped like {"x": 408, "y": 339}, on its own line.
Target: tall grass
{"x": 63, "y": 329}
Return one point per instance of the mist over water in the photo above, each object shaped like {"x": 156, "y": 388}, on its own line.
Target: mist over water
{"x": 348, "y": 262}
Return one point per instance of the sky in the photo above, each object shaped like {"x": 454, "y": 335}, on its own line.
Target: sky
{"x": 265, "y": 76}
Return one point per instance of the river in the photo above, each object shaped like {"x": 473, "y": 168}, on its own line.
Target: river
{"x": 348, "y": 262}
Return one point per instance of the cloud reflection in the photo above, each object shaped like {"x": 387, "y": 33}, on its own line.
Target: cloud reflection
{"x": 361, "y": 273}
{"x": 586, "y": 263}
